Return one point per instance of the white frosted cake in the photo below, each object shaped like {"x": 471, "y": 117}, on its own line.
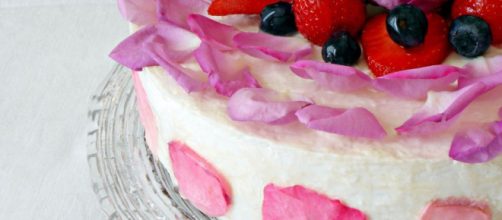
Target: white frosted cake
{"x": 256, "y": 126}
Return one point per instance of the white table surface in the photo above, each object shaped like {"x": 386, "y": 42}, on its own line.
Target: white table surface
{"x": 53, "y": 55}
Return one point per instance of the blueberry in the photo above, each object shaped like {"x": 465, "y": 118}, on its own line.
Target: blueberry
{"x": 470, "y": 36}
{"x": 278, "y": 19}
{"x": 407, "y": 25}
{"x": 341, "y": 49}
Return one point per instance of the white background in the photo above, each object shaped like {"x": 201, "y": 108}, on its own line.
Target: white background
{"x": 53, "y": 55}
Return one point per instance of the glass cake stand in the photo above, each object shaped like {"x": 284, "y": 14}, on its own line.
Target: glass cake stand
{"x": 128, "y": 181}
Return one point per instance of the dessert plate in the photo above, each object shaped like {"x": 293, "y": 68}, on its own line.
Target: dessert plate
{"x": 128, "y": 181}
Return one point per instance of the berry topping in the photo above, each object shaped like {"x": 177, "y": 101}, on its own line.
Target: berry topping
{"x": 407, "y": 25}
{"x": 341, "y": 49}
{"x": 384, "y": 56}
{"x": 318, "y": 19}
{"x": 229, "y": 7}
{"x": 278, "y": 19}
{"x": 470, "y": 36}
{"x": 489, "y": 10}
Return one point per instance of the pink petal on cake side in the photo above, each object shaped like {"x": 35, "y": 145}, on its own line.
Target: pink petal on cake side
{"x": 477, "y": 145}
{"x": 178, "y": 11}
{"x": 140, "y": 12}
{"x": 273, "y": 48}
{"x": 457, "y": 209}
{"x": 300, "y": 203}
{"x": 416, "y": 83}
{"x": 440, "y": 110}
{"x": 180, "y": 74}
{"x": 198, "y": 181}
{"x": 426, "y": 5}
{"x": 217, "y": 34}
{"x": 480, "y": 69}
{"x": 354, "y": 122}
{"x": 146, "y": 115}
{"x": 226, "y": 72}
{"x": 263, "y": 105}
{"x": 177, "y": 43}
{"x": 335, "y": 77}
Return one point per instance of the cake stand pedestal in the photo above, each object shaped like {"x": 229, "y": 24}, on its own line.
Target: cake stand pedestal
{"x": 128, "y": 181}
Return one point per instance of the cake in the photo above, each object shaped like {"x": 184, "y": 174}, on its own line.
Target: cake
{"x": 257, "y": 126}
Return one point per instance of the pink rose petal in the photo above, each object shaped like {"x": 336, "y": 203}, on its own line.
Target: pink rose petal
{"x": 146, "y": 115}
{"x": 226, "y": 72}
{"x": 299, "y": 203}
{"x": 198, "y": 181}
{"x": 426, "y": 5}
{"x": 184, "y": 77}
{"x": 273, "y": 48}
{"x": 130, "y": 52}
{"x": 355, "y": 122}
{"x": 479, "y": 69}
{"x": 332, "y": 76}
{"x": 440, "y": 110}
{"x": 177, "y": 11}
{"x": 477, "y": 145}
{"x": 457, "y": 209}
{"x": 177, "y": 44}
{"x": 263, "y": 105}
{"x": 217, "y": 34}
{"x": 416, "y": 83}
{"x": 490, "y": 81}
{"x": 140, "y": 12}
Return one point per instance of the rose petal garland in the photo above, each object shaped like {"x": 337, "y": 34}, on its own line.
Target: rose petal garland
{"x": 215, "y": 33}
{"x": 440, "y": 110}
{"x": 354, "y": 122}
{"x": 226, "y": 73}
{"x": 273, "y": 48}
{"x": 198, "y": 181}
{"x": 456, "y": 209}
{"x": 159, "y": 44}
{"x": 263, "y": 105}
{"x": 140, "y": 12}
{"x": 416, "y": 83}
{"x": 332, "y": 76}
{"x": 299, "y": 203}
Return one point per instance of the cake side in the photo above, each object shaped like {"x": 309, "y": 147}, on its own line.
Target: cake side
{"x": 382, "y": 187}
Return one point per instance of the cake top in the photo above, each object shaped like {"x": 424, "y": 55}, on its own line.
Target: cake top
{"x": 410, "y": 87}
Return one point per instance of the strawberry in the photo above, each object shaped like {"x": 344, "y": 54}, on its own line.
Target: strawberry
{"x": 489, "y": 10}
{"x": 228, "y": 7}
{"x": 317, "y": 20}
{"x": 385, "y": 56}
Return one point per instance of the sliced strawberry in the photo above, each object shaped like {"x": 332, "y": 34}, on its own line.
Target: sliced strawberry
{"x": 229, "y": 7}
{"x": 318, "y": 19}
{"x": 384, "y": 56}
{"x": 489, "y": 10}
